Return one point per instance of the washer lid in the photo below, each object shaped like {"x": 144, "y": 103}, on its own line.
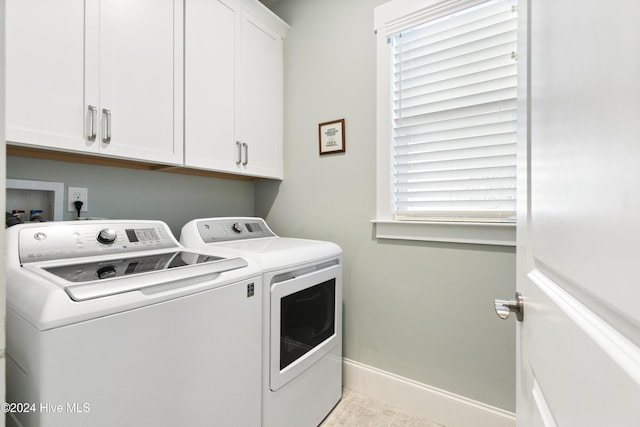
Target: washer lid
{"x": 112, "y": 286}
{"x": 127, "y": 266}
{"x": 274, "y": 253}
{"x": 255, "y": 240}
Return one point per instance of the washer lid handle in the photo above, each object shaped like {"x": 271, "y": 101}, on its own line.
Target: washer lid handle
{"x": 108, "y": 287}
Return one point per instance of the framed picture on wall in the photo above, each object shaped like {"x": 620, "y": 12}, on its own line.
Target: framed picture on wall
{"x": 331, "y": 135}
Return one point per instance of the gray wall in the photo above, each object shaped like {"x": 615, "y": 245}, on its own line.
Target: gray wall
{"x": 419, "y": 310}
{"x": 118, "y": 193}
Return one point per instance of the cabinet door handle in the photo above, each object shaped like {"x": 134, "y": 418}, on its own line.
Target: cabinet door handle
{"x": 246, "y": 153}
{"x": 239, "y": 147}
{"x": 92, "y": 123}
{"x": 107, "y": 125}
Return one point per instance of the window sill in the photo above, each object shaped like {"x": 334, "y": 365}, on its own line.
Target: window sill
{"x": 455, "y": 232}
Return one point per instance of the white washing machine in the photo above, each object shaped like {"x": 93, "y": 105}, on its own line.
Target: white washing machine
{"x": 114, "y": 323}
{"x": 302, "y": 315}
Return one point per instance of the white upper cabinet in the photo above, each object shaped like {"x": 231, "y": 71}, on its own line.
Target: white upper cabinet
{"x": 234, "y": 87}
{"x": 195, "y": 83}
{"x": 210, "y": 75}
{"x": 139, "y": 58}
{"x": 45, "y": 74}
{"x": 100, "y": 76}
{"x": 259, "y": 109}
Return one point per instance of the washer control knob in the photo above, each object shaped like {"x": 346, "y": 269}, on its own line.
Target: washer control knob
{"x": 237, "y": 227}
{"x": 107, "y": 236}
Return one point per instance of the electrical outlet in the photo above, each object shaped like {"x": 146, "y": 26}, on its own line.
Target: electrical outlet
{"x": 75, "y": 194}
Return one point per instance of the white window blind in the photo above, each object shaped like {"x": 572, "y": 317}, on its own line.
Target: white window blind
{"x": 454, "y": 116}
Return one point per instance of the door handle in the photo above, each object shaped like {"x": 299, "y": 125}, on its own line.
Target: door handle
{"x": 94, "y": 118}
{"x": 246, "y": 153}
{"x": 239, "y": 147}
{"x": 504, "y": 307}
{"x": 107, "y": 120}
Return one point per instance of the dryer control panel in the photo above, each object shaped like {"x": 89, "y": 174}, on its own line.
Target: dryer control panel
{"x": 228, "y": 229}
{"x": 51, "y": 241}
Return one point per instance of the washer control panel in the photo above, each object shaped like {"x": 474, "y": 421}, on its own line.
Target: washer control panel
{"x": 51, "y": 241}
{"x": 214, "y": 230}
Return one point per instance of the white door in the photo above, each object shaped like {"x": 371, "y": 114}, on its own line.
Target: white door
{"x": 578, "y": 253}
{"x": 45, "y": 74}
{"x": 140, "y": 73}
{"x": 210, "y": 66}
{"x": 260, "y": 99}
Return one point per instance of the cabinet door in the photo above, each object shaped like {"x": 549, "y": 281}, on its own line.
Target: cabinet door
{"x": 210, "y": 57}
{"x": 45, "y": 74}
{"x": 260, "y": 102}
{"x": 141, "y": 79}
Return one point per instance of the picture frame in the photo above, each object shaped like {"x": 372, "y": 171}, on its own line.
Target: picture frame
{"x": 331, "y": 137}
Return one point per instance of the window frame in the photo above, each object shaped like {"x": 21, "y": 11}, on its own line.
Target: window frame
{"x": 390, "y": 18}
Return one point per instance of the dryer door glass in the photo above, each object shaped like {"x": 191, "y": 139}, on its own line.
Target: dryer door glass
{"x": 307, "y": 319}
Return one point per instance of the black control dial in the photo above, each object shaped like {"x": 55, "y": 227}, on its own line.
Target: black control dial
{"x": 237, "y": 227}
{"x": 107, "y": 236}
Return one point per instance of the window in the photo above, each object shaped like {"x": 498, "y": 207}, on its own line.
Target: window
{"x": 447, "y": 111}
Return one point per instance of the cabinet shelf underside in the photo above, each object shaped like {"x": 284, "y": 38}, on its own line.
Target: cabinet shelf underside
{"x": 38, "y": 153}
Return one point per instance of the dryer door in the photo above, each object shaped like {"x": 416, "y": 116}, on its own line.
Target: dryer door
{"x": 305, "y": 321}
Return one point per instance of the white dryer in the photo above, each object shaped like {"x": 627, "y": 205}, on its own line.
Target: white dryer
{"x": 302, "y": 315}
{"x": 114, "y": 323}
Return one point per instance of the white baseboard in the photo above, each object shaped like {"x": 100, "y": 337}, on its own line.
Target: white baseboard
{"x": 422, "y": 400}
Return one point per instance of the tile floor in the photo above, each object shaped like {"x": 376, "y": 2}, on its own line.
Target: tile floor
{"x": 359, "y": 410}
